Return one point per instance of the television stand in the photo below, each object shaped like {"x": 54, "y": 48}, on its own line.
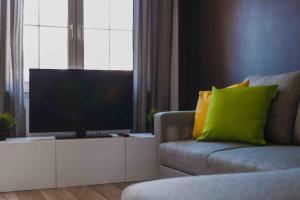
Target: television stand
{"x": 77, "y": 136}
{"x": 50, "y": 163}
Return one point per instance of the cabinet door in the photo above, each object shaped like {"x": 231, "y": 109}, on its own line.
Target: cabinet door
{"x": 27, "y": 165}
{"x": 90, "y": 161}
{"x": 141, "y": 158}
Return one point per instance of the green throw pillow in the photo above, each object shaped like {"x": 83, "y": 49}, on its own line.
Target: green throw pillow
{"x": 238, "y": 114}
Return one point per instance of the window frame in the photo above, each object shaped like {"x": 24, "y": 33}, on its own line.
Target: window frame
{"x": 71, "y": 47}
{"x": 81, "y": 29}
{"x": 75, "y": 37}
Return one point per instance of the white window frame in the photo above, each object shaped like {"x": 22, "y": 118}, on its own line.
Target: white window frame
{"x": 75, "y": 37}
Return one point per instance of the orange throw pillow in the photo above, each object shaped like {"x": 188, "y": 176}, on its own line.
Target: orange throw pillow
{"x": 202, "y": 106}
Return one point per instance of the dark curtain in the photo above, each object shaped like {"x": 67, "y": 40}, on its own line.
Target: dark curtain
{"x": 11, "y": 63}
{"x": 155, "y": 58}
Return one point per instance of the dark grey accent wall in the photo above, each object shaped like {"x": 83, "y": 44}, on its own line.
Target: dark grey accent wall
{"x": 223, "y": 41}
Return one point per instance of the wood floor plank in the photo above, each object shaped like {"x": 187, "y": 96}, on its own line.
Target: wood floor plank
{"x": 30, "y": 195}
{"x": 57, "y": 194}
{"x": 2, "y": 197}
{"x": 95, "y": 192}
{"x": 9, "y": 196}
{"x": 86, "y": 193}
{"x": 109, "y": 191}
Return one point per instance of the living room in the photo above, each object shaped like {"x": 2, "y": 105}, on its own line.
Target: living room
{"x": 149, "y": 99}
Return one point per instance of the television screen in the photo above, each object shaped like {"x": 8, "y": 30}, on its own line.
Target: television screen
{"x": 77, "y": 100}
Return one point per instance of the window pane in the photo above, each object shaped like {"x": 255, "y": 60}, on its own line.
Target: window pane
{"x": 96, "y": 13}
{"x": 96, "y": 49}
{"x": 30, "y": 50}
{"x": 54, "y": 12}
{"x": 31, "y": 12}
{"x": 121, "y": 13}
{"x": 121, "y": 50}
{"x": 54, "y": 48}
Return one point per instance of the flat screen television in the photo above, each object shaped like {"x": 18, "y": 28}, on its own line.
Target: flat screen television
{"x": 80, "y": 100}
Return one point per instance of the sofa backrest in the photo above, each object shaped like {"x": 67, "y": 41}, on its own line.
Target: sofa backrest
{"x": 297, "y": 127}
{"x": 280, "y": 127}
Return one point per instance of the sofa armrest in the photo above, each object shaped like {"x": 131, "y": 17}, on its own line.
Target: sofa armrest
{"x": 173, "y": 126}
{"x": 275, "y": 185}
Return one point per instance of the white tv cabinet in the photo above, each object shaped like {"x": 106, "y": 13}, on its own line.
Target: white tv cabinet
{"x": 35, "y": 163}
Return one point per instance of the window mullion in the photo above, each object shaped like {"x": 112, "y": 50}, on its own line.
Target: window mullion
{"x": 80, "y": 34}
{"x": 72, "y": 35}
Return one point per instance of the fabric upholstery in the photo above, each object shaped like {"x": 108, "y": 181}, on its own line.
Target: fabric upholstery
{"x": 238, "y": 114}
{"x": 166, "y": 172}
{"x": 255, "y": 159}
{"x": 277, "y": 185}
{"x": 154, "y": 58}
{"x": 200, "y": 113}
{"x": 202, "y": 107}
{"x": 190, "y": 156}
{"x": 173, "y": 126}
{"x": 11, "y": 64}
{"x": 282, "y": 115}
{"x": 297, "y": 127}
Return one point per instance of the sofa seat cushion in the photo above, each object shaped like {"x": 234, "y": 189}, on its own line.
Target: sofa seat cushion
{"x": 260, "y": 158}
{"x": 190, "y": 156}
{"x": 277, "y": 185}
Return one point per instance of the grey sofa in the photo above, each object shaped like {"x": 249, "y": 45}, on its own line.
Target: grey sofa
{"x": 274, "y": 185}
{"x": 273, "y": 169}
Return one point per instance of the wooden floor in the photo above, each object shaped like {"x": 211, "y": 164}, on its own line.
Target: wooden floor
{"x": 95, "y": 192}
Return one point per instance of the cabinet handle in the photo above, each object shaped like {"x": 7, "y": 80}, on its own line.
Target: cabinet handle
{"x": 72, "y": 31}
{"x": 81, "y": 32}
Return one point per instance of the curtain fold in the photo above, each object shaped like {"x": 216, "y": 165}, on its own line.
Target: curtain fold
{"x": 11, "y": 63}
{"x": 155, "y": 58}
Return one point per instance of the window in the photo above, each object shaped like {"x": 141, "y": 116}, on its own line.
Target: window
{"x": 108, "y": 29}
{"x": 45, "y": 35}
{"x": 77, "y": 34}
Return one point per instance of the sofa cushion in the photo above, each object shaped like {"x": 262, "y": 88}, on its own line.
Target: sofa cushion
{"x": 260, "y": 158}
{"x": 277, "y": 185}
{"x": 297, "y": 127}
{"x": 281, "y": 121}
{"x": 202, "y": 107}
{"x": 238, "y": 114}
{"x": 190, "y": 156}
